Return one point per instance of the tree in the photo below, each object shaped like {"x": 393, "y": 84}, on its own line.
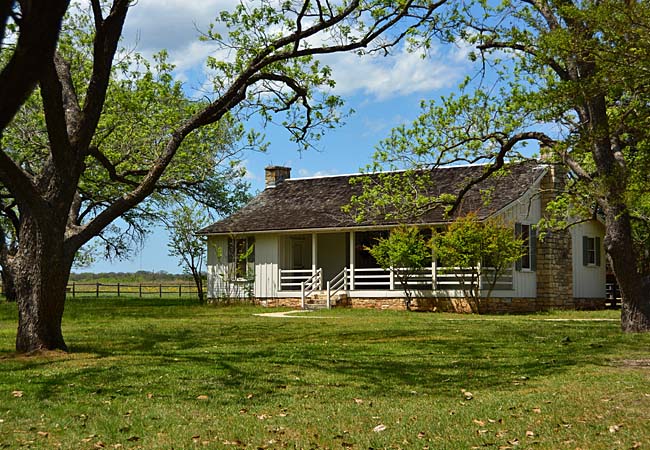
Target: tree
{"x": 183, "y": 242}
{"x": 404, "y": 252}
{"x": 483, "y": 250}
{"x": 143, "y": 102}
{"x": 572, "y": 77}
{"x": 271, "y": 70}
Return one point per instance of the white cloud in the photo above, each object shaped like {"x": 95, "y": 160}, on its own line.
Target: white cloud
{"x": 402, "y": 73}
{"x": 173, "y": 25}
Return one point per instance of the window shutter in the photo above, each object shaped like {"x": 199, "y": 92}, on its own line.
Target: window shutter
{"x": 597, "y": 249}
{"x": 518, "y": 236}
{"x": 585, "y": 250}
{"x": 533, "y": 248}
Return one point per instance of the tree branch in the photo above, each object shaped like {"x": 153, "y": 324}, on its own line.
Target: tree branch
{"x": 499, "y": 161}
{"x": 37, "y": 39}
{"x": 530, "y": 50}
{"x": 107, "y": 36}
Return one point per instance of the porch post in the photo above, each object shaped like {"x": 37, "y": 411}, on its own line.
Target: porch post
{"x": 434, "y": 273}
{"x": 352, "y": 253}
{"x": 314, "y": 253}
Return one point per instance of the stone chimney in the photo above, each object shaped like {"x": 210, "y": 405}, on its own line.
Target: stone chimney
{"x": 554, "y": 252}
{"x": 274, "y": 175}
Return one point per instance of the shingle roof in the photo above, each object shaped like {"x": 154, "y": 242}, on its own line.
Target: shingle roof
{"x": 315, "y": 203}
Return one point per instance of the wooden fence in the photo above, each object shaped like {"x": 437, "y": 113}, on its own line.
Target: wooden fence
{"x": 132, "y": 290}
{"x": 175, "y": 290}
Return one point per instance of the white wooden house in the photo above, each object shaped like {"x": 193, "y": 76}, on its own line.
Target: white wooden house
{"x": 302, "y": 248}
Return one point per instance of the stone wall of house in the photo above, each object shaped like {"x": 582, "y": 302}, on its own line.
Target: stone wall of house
{"x": 281, "y": 302}
{"x": 447, "y": 304}
{"x": 589, "y": 304}
{"x": 503, "y": 305}
{"x": 554, "y": 258}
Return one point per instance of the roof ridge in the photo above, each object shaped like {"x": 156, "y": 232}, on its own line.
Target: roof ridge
{"x": 356, "y": 174}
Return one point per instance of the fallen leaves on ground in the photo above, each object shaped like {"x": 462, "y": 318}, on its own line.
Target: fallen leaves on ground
{"x": 17, "y": 394}
{"x": 379, "y": 428}
{"x": 614, "y": 428}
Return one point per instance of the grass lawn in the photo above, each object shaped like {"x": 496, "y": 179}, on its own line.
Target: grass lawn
{"x": 168, "y": 374}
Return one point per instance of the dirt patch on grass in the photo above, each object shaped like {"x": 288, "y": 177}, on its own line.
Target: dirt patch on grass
{"x": 637, "y": 363}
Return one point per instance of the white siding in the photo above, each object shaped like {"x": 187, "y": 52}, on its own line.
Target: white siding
{"x": 217, "y": 263}
{"x": 266, "y": 265}
{"x": 526, "y": 210}
{"x": 588, "y": 281}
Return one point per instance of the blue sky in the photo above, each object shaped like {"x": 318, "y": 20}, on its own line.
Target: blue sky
{"x": 383, "y": 91}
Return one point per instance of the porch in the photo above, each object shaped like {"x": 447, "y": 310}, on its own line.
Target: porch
{"x": 329, "y": 265}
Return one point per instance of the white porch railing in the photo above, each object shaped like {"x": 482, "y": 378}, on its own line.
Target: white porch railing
{"x": 291, "y": 279}
{"x": 429, "y": 278}
{"x": 310, "y": 285}
{"x": 454, "y": 278}
{"x": 337, "y": 284}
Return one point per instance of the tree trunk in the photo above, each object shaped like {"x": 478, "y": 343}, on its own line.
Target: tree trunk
{"x": 634, "y": 286}
{"x": 199, "y": 285}
{"x": 40, "y": 270}
{"x": 8, "y": 287}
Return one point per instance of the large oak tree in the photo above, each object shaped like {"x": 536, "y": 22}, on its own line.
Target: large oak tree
{"x": 269, "y": 69}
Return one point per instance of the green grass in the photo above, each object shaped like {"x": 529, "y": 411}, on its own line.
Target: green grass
{"x": 168, "y": 374}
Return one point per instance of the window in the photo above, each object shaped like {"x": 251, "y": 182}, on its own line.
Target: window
{"x": 527, "y": 234}
{"x": 590, "y": 251}
{"x": 241, "y": 252}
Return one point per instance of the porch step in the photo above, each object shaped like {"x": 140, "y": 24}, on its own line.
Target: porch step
{"x": 318, "y": 300}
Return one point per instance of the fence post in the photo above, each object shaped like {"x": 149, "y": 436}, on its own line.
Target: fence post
{"x": 73, "y": 289}
{"x": 118, "y": 289}
{"x": 97, "y": 290}
{"x": 160, "y": 289}
{"x": 140, "y": 290}
{"x": 180, "y": 290}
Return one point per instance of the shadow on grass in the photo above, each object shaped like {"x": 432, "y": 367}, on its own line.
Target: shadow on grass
{"x": 385, "y": 362}
{"x": 169, "y": 347}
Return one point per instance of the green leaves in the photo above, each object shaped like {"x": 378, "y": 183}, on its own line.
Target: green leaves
{"x": 487, "y": 247}
{"x": 404, "y": 248}
{"x": 405, "y": 251}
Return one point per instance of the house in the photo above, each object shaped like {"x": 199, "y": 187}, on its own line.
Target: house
{"x": 292, "y": 245}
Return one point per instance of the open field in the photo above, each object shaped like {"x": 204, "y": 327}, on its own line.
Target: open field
{"x": 162, "y": 373}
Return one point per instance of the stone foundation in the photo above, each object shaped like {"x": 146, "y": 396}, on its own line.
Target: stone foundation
{"x": 502, "y": 305}
{"x": 590, "y": 304}
{"x": 286, "y": 302}
{"x": 454, "y": 305}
